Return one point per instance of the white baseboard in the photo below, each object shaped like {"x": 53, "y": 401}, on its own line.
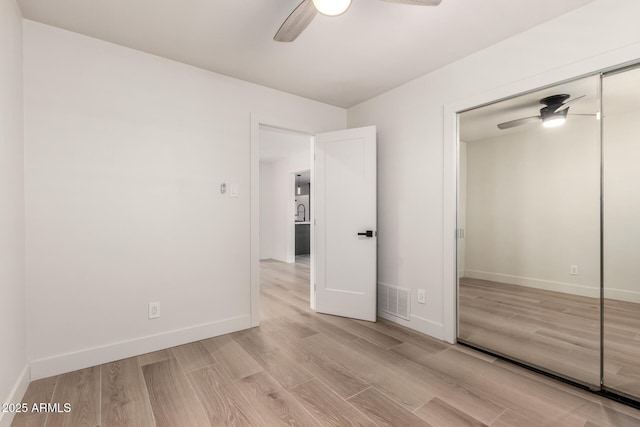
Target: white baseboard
{"x": 548, "y": 285}
{"x": 417, "y": 323}
{"x": 622, "y": 295}
{"x": 15, "y": 396}
{"x": 59, "y": 364}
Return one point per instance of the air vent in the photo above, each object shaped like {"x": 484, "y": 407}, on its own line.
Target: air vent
{"x": 394, "y": 301}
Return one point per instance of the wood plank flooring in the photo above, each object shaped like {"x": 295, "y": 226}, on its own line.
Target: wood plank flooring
{"x": 554, "y": 331}
{"x": 300, "y": 368}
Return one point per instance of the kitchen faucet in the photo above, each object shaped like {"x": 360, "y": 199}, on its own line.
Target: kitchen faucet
{"x": 304, "y": 211}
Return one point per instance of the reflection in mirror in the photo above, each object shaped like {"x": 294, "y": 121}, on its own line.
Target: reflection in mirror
{"x": 621, "y": 225}
{"x": 529, "y": 229}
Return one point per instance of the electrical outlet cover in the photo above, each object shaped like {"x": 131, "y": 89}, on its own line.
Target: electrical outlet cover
{"x": 154, "y": 310}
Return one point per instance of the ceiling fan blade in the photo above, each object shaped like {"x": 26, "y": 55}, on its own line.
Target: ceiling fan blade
{"x": 518, "y": 122}
{"x": 417, "y": 2}
{"x": 568, "y": 104}
{"x": 295, "y": 23}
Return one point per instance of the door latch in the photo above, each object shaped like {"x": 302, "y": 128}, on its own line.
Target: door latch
{"x": 368, "y": 233}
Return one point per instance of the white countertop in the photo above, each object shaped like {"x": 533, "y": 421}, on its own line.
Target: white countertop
{"x": 303, "y": 222}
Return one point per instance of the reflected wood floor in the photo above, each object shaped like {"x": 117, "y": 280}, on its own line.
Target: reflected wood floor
{"x": 555, "y": 331}
{"x": 300, "y": 368}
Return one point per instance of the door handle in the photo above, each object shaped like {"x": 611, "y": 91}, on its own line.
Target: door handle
{"x": 368, "y": 233}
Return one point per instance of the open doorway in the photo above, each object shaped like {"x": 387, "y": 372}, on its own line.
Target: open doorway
{"x": 285, "y": 232}
{"x": 342, "y": 271}
{"x": 302, "y": 226}
{"x": 285, "y": 185}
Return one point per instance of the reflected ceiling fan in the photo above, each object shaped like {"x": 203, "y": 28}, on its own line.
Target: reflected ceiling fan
{"x": 302, "y": 15}
{"x": 553, "y": 114}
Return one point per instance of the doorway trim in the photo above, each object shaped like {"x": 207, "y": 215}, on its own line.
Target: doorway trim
{"x": 291, "y": 226}
{"x": 256, "y": 121}
{"x": 594, "y": 65}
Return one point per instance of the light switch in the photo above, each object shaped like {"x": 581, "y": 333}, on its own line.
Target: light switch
{"x": 234, "y": 190}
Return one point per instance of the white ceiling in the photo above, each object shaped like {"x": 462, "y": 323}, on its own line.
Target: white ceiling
{"x": 373, "y": 47}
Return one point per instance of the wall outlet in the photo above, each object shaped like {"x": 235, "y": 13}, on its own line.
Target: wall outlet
{"x": 422, "y": 298}
{"x": 154, "y": 310}
{"x": 573, "y": 270}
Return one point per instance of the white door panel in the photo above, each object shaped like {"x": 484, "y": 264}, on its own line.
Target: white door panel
{"x": 345, "y": 199}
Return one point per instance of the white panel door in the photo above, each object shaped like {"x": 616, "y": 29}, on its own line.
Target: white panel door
{"x": 345, "y": 223}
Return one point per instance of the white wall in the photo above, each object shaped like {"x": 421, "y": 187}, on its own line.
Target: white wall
{"x": 125, "y": 153}
{"x": 413, "y": 206}
{"x": 276, "y": 204}
{"x": 13, "y": 351}
{"x": 533, "y": 208}
{"x": 622, "y": 205}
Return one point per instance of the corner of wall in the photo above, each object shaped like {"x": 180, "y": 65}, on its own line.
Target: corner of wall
{"x": 417, "y": 323}
{"x": 15, "y": 395}
{"x": 14, "y": 367}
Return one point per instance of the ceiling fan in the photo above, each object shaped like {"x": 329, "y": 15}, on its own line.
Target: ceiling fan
{"x": 554, "y": 113}
{"x": 307, "y": 10}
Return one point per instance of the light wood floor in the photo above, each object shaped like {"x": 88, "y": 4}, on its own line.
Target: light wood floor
{"x": 554, "y": 331}
{"x": 303, "y": 369}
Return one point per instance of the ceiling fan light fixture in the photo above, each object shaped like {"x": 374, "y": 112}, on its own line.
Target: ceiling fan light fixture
{"x": 553, "y": 121}
{"x": 554, "y": 114}
{"x": 332, "y": 7}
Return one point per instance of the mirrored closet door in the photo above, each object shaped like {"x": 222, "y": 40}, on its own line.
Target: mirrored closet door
{"x": 621, "y": 232}
{"x": 549, "y": 230}
{"x": 529, "y": 229}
